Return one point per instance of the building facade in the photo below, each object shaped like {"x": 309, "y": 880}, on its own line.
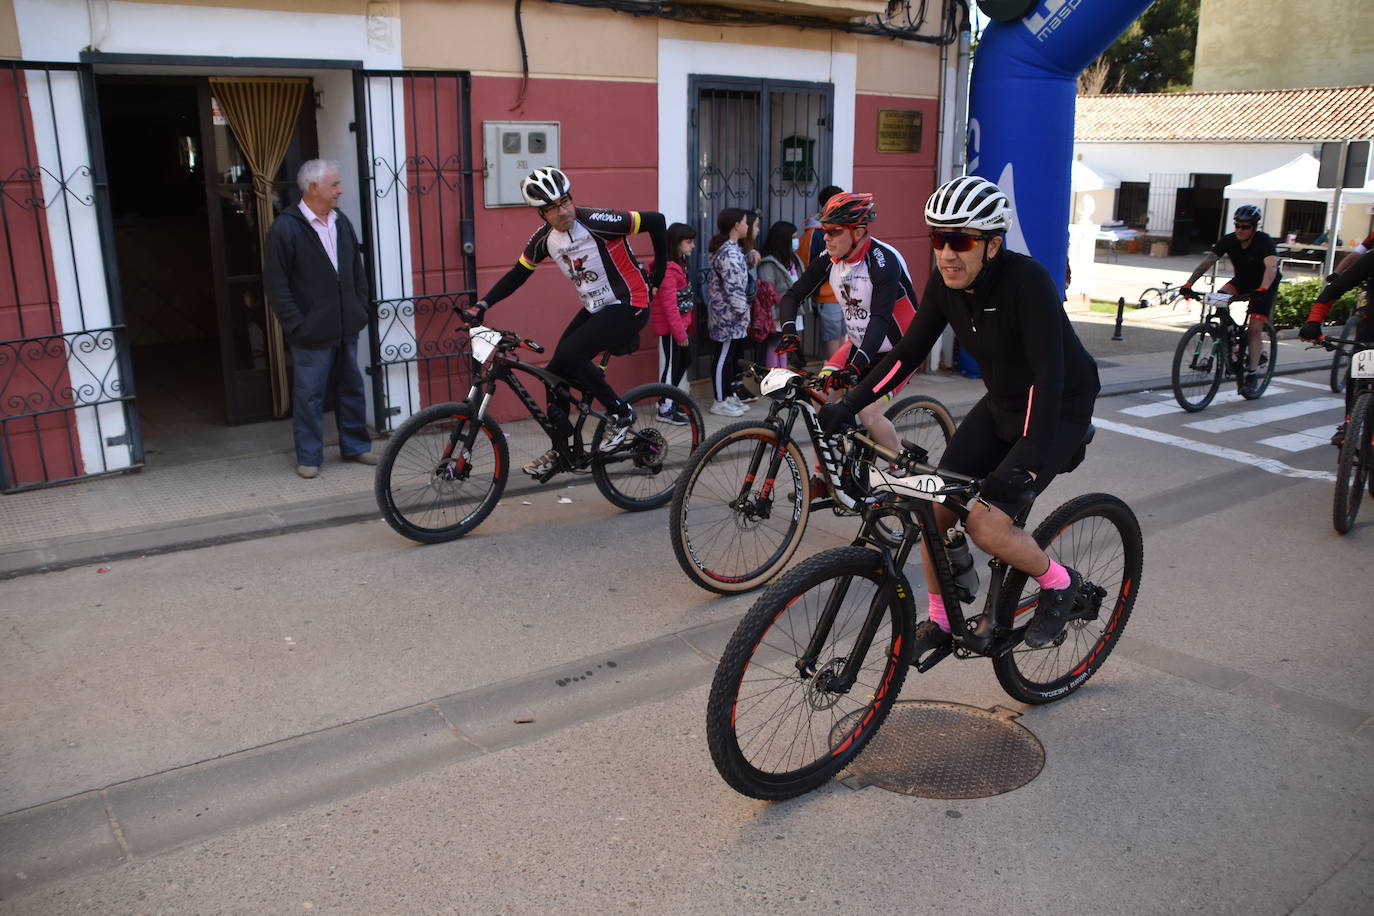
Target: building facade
{"x": 1242, "y": 45}
{"x": 147, "y": 145}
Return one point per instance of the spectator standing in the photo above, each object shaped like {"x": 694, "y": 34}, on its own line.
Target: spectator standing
{"x": 672, "y": 315}
{"x": 829, "y": 312}
{"x": 727, "y": 300}
{"x": 777, "y": 272}
{"x": 314, "y": 280}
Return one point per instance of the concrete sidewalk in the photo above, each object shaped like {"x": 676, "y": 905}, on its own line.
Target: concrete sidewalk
{"x": 225, "y": 499}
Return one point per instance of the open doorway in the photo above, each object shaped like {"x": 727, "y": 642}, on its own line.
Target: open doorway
{"x": 186, "y": 241}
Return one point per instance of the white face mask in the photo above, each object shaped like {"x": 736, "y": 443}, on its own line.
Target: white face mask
{"x": 796, "y": 243}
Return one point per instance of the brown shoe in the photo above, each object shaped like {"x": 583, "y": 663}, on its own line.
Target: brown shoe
{"x": 362, "y": 458}
{"x": 307, "y": 470}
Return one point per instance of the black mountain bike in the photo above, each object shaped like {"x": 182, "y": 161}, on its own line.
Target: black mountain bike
{"x": 1164, "y": 294}
{"x": 1216, "y": 349}
{"x": 1340, "y": 359}
{"x": 445, "y": 468}
{"x": 743, "y": 501}
{"x": 814, "y": 667}
{"x": 1355, "y": 466}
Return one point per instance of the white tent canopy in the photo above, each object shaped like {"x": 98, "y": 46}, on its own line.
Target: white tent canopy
{"x": 1295, "y": 180}
{"x": 1083, "y": 178}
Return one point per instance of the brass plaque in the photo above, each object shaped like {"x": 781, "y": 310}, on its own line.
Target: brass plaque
{"x": 899, "y": 130}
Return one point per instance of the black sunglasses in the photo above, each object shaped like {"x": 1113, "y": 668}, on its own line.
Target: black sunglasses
{"x": 1245, "y": 225}
{"x": 955, "y": 240}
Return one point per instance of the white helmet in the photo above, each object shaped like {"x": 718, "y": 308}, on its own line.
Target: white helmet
{"x": 544, "y": 186}
{"x": 969, "y": 202}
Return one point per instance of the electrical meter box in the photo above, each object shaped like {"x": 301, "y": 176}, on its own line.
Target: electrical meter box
{"x": 510, "y": 151}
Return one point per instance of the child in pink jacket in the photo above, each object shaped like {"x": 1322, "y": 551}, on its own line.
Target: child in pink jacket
{"x": 672, "y": 316}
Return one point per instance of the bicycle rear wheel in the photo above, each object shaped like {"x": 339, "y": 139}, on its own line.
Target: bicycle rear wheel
{"x": 1340, "y": 360}
{"x": 1197, "y": 367}
{"x": 1269, "y": 343}
{"x": 640, "y": 474}
{"x": 427, "y": 489}
{"x": 1152, "y": 296}
{"x": 1097, "y": 535}
{"x": 1353, "y": 465}
{"x": 923, "y": 421}
{"x": 777, "y": 729}
{"x": 732, "y": 528}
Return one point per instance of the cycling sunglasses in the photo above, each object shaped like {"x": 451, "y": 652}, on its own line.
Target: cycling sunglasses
{"x": 1245, "y": 225}
{"x": 831, "y": 232}
{"x": 956, "y": 240}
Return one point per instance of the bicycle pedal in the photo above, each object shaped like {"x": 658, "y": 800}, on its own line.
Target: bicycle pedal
{"x": 933, "y": 658}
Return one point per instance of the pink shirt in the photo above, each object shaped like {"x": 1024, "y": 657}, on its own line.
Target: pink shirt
{"x": 326, "y": 230}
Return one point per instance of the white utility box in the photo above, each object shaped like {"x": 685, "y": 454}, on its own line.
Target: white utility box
{"x": 510, "y": 151}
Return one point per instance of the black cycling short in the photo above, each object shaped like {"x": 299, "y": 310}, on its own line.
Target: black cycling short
{"x": 1262, "y": 304}
{"x": 988, "y": 433}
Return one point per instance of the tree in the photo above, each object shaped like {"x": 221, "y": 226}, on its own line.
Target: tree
{"x": 1154, "y": 55}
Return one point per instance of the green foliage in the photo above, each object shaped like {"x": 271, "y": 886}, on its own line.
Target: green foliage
{"x": 1295, "y": 299}
{"x": 1155, "y": 54}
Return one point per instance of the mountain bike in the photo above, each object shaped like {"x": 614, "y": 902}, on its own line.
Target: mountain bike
{"x": 445, "y": 467}
{"x": 1215, "y": 349}
{"x": 1164, "y": 294}
{"x": 1355, "y": 465}
{"x": 1340, "y": 359}
{"x": 815, "y": 666}
{"x": 743, "y": 501}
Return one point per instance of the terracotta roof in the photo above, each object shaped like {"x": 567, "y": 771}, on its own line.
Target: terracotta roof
{"x": 1330, "y": 113}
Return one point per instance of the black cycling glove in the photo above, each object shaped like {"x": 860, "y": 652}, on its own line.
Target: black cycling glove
{"x": 1310, "y": 330}
{"x": 837, "y": 417}
{"x": 1008, "y": 486}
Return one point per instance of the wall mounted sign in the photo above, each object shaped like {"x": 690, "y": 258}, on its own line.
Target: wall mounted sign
{"x": 899, "y": 130}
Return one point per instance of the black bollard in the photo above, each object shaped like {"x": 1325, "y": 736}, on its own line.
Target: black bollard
{"x": 1120, "y": 310}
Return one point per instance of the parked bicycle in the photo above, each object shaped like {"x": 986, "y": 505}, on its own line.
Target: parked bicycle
{"x": 1356, "y": 461}
{"x": 445, "y": 468}
{"x": 1165, "y": 294}
{"x": 814, "y": 667}
{"x": 1214, "y": 350}
{"x": 743, "y": 501}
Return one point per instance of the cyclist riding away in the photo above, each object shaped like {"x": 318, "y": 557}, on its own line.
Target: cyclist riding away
{"x": 1337, "y": 285}
{"x": 1255, "y": 260}
{"x": 874, "y": 288}
{"x": 592, "y": 248}
{"x": 1041, "y": 386}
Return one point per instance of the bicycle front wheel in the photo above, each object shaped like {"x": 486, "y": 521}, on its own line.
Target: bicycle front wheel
{"x": 1269, "y": 347}
{"x": 925, "y": 422}
{"x": 1340, "y": 360}
{"x": 734, "y": 527}
{"x": 429, "y": 487}
{"x": 1353, "y": 466}
{"x": 1097, "y": 535}
{"x": 640, "y": 474}
{"x": 1197, "y": 367}
{"x": 783, "y": 717}
{"x": 1152, "y": 296}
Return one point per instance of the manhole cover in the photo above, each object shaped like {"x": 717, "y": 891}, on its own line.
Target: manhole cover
{"x": 947, "y": 750}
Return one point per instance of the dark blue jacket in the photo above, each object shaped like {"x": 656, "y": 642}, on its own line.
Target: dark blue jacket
{"x": 317, "y": 306}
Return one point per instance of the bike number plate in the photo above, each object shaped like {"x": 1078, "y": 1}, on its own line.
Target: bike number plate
{"x": 484, "y": 341}
{"x": 1362, "y": 364}
{"x": 922, "y": 486}
{"x": 776, "y": 380}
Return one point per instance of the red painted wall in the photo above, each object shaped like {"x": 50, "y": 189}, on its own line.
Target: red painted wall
{"x": 37, "y": 447}
{"x": 901, "y": 181}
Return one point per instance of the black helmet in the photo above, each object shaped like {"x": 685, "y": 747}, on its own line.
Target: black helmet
{"x": 1248, "y": 214}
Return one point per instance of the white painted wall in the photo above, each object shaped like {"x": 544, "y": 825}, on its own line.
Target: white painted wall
{"x": 677, "y": 59}
{"x": 1137, "y": 161}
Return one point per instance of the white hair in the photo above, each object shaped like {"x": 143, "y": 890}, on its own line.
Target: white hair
{"x": 313, "y": 172}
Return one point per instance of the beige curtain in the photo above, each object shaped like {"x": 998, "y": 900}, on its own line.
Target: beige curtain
{"x": 262, "y": 114}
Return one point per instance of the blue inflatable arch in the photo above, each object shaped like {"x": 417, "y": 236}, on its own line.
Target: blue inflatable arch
{"x": 1021, "y": 107}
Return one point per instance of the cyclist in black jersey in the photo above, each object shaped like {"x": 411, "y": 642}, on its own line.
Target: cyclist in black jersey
{"x": 591, "y": 247}
{"x": 1255, "y": 259}
{"x": 1041, "y": 388}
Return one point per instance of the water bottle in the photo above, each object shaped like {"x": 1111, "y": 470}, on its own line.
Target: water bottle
{"x": 965, "y": 575}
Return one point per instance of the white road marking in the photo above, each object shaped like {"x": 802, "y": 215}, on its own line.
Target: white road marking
{"x": 1171, "y": 406}
{"x": 1302, "y": 383}
{"x": 1301, "y": 442}
{"x": 1249, "y": 418}
{"x": 1216, "y": 451}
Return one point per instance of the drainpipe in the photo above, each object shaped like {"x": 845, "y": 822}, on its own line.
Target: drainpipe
{"x": 1021, "y": 112}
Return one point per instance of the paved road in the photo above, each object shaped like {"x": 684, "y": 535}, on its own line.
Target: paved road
{"x": 326, "y": 722}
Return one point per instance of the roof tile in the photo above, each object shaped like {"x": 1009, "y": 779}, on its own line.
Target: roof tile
{"x": 1327, "y": 113}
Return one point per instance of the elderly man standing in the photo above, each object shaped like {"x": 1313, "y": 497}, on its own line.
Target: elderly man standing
{"x": 314, "y": 280}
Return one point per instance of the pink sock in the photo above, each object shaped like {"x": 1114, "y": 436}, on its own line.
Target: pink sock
{"x": 937, "y": 612}
{"x": 1053, "y": 578}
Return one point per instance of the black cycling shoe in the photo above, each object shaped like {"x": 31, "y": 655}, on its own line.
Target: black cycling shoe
{"x": 928, "y": 636}
{"x": 1251, "y": 385}
{"x": 1338, "y": 437}
{"x": 1053, "y": 611}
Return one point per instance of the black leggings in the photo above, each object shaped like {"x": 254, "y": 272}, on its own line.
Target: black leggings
{"x": 672, "y": 360}
{"x": 725, "y": 377}
{"x": 586, "y": 336}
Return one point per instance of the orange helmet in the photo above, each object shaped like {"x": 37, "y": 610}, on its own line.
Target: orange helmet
{"x": 854, "y": 208}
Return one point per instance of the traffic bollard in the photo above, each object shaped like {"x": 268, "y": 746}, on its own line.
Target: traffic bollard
{"x": 1120, "y": 310}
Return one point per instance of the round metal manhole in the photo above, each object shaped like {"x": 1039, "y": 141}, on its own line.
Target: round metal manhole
{"x": 932, "y": 749}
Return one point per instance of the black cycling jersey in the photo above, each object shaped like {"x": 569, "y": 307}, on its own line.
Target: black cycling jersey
{"x": 1362, "y": 271}
{"x": 1013, "y": 323}
{"x": 1248, "y": 261}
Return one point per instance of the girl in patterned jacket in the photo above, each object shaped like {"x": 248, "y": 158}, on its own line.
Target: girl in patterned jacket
{"x": 727, "y": 316}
